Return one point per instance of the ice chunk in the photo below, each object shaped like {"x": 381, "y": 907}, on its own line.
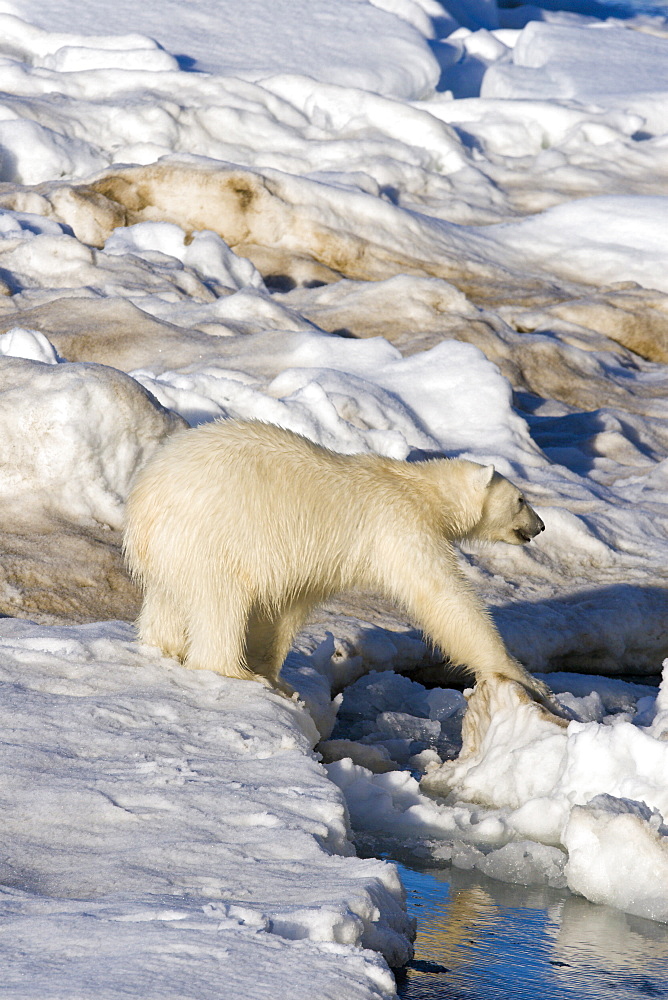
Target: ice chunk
{"x": 408, "y": 727}
{"x": 385, "y": 691}
{"x": 445, "y": 703}
{"x": 617, "y": 237}
{"x": 398, "y": 748}
{"x": 526, "y": 863}
{"x": 391, "y": 803}
{"x": 618, "y": 855}
{"x": 659, "y": 727}
{"x": 589, "y": 708}
{"x": 374, "y": 757}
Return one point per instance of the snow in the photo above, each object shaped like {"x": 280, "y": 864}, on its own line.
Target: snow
{"x": 206, "y": 253}
{"x": 565, "y": 61}
{"x": 359, "y": 43}
{"x": 399, "y": 226}
{"x": 597, "y": 236}
{"x": 525, "y": 800}
{"x": 181, "y": 826}
{"x": 592, "y": 837}
{"x": 84, "y": 431}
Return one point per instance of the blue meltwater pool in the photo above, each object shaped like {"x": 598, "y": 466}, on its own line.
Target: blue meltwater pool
{"x": 479, "y": 938}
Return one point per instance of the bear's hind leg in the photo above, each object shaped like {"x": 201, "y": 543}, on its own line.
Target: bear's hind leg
{"x": 268, "y": 641}
{"x": 161, "y": 624}
{"x": 216, "y": 631}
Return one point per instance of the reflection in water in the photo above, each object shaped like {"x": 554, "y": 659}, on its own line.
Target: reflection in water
{"x": 479, "y": 938}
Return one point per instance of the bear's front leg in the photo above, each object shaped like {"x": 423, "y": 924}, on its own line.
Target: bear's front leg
{"x": 439, "y": 598}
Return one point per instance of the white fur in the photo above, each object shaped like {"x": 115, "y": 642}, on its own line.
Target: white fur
{"x": 236, "y": 530}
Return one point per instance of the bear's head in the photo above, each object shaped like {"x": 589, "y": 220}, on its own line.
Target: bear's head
{"x": 506, "y": 516}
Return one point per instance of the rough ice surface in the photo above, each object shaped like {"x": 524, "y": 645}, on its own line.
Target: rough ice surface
{"x": 522, "y": 799}
{"x": 596, "y": 790}
{"x": 634, "y": 879}
{"x": 402, "y": 226}
{"x": 172, "y": 824}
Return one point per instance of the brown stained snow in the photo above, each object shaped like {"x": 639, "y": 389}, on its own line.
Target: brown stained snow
{"x": 359, "y": 269}
{"x": 83, "y": 429}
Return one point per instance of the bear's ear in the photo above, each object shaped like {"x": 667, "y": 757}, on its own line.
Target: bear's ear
{"x": 484, "y": 476}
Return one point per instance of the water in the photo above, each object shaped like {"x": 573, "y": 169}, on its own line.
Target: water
{"x": 482, "y": 938}
{"x": 478, "y": 938}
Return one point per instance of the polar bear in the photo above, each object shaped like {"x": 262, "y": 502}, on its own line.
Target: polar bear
{"x": 236, "y": 530}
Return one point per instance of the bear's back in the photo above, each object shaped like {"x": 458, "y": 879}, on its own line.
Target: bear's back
{"x": 258, "y": 496}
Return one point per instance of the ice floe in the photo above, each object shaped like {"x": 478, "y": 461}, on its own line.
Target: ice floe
{"x": 402, "y": 226}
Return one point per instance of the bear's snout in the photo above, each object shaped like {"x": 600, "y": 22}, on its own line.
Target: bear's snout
{"x": 525, "y": 534}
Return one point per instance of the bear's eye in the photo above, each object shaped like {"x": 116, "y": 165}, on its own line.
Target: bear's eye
{"x": 521, "y": 502}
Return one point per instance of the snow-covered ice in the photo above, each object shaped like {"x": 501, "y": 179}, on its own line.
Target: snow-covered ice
{"x": 171, "y": 832}
{"x": 401, "y": 226}
{"x": 522, "y": 799}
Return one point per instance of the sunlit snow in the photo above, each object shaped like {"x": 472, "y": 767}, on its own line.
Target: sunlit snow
{"x": 402, "y": 226}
